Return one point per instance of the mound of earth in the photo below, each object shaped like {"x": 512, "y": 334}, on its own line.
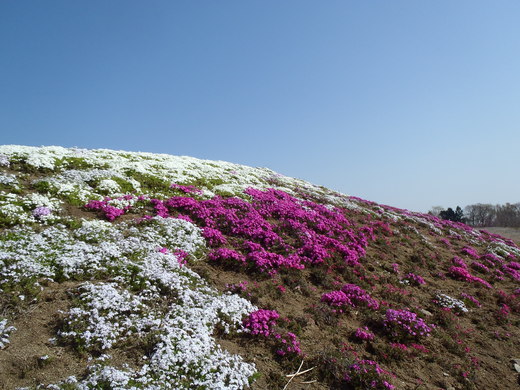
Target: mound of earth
{"x": 124, "y": 270}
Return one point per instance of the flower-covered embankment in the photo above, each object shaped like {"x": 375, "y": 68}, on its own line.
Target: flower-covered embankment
{"x": 171, "y": 262}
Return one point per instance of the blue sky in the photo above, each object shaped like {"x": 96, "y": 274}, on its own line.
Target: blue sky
{"x": 407, "y": 103}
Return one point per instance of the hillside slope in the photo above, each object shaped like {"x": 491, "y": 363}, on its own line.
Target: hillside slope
{"x": 124, "y": 270}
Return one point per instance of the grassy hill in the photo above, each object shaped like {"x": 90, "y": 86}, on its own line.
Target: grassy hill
{"x": 124, "y": 270}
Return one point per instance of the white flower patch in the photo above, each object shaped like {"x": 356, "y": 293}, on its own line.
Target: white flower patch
{"x": 109, "y": 185}
{"x": 501, "y": 249}
{"x": 392, "y": 216}
{"x": 41, "y": 160}
{"x": 66, "y": 188}
{"x": 4, "y": 161}
{"x": 4, "y": 333}
{"x": 14, "y": 210}
{"x": 30, "y": 254}
{"x": 95, "y": 247}
{"x": 55, "y": 252}
{"x": 9, "y": 180}
{"x": 181, "y": 170}
{"x": 77, "y": 182}
{"x": 19, "y": 209}
{"x": 444, "y": 300}
{"x": 133, "y": 304}
{"x": 122, "y": 203}
{"x": 106, "y": 316}
{"x": 101, "y": 375}
{"x": 13, "y": 213}
{"x": 95, "y": 230}
{"x": 185, "y": 347}
{"x": 424, "y": 222}
{"x": 170, "y": 233}
{"x": 38, "y": 200}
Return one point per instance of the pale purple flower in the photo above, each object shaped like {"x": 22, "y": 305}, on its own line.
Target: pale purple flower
{"x": 41, "y": 211}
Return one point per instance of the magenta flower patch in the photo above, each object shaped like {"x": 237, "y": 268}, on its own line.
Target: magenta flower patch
{"x": 350, "y": 295}
{"x": 274, "y": 230}
{"x": 479, "y": 267}
{"x": 459, "y": 262}
{"x": 404, "y": 324}
{"x": 512, "y": 269}
{"x": 110, "y": 212}
{"x": 225, "y": 255}
{"x": 367, "y": 374}
{"x": 287, "y": 344}
{"x": 463, "y": 274}
{"x": 471, "y": 298}
{"x": 364, "y": 334}
{"x": 470, "y": 252}
{"x": 359, "y": 297}
{"x": 261, "y": 322}
{"x": 337, "y": 299}
{"x": 213, "y": 236}
{"x": 415, "y": 279}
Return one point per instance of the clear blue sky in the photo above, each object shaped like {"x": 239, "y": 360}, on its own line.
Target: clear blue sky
{"x": 407, "y": 103}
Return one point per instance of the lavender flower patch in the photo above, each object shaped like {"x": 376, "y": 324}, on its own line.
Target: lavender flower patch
{"x": 41, "y": 211}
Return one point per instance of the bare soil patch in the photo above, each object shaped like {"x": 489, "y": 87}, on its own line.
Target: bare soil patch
{"x": 32, "y": 357}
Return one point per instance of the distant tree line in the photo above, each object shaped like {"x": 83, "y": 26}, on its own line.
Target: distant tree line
{"x": 480, "y": 215}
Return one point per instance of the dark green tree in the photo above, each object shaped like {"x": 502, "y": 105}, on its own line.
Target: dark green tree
{"x": 450, "y": 215}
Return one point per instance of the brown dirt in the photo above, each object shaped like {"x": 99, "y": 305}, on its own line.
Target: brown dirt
{"x": 20, "y": 362}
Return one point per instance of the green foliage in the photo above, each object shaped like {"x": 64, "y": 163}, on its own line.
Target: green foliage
{"x": 320, "y": 277}
{"x": 7, "y": 222}
{"x": 73, "y": 198}
{"x": 19, "y": 294}
{"x": 297, "y": 324}
{"x": 207, "y": 182}
{"x": 19, "y": 163}
{"x": 78, "y": 163}
{"x": 149, "y": 183}
{"x": 125, "y": 186}
{"x": 136, "y": 281}
{"x": 43, "y": 187}
{"x": 72, "y": 222}
{"x": 253, "y": 378}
